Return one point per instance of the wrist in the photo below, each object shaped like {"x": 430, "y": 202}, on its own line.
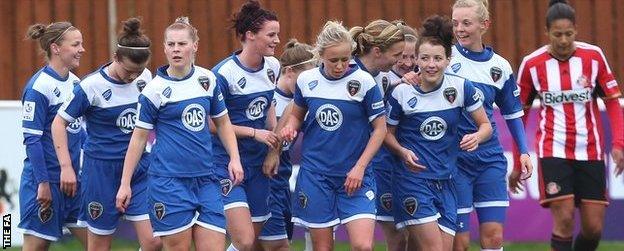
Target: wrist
{"x": 253, "y": 133}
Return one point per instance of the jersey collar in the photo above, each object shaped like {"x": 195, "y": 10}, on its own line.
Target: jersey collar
{"x": 162, "y": 72}
{"x": 483, "y": 56}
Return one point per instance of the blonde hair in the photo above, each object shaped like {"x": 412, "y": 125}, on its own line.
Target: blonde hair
{"x": 183, "y": 23}
{"x": 409, "y": 34}
{"x": 332, "y": 33}
{"x": 296, "y": 55}
{"x": 379, "y": 33}
{"x": 482, "y": 7}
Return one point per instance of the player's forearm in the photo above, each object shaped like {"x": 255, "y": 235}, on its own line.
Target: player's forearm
{"x": 134, "y": 153}
{"x": 59, "y": 137}
{"x": 516, "y": 128}
{"x": 614, "y": 110}
{"x": 374, "y": 142}
{"x": 226, "y": 134}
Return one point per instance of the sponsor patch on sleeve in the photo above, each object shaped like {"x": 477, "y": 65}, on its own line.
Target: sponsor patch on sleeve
{"x": 516, "y": 92}
{"x": 220, "y": 97}
{"x": 28, "y": 112}
{"x": 612, "y": 84}
{"x": 378, "y": 105}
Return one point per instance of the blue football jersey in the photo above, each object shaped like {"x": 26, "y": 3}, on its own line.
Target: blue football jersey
{"x": 248, "y": 94}
{"x": 43, "y": 96}
{"x": 338, "y": 123}
{"x": 178, "y": 109}
{"x": 383, "y": 159}
{"x": 493, "y": 77}
{"x": 109, "y": 108}
{"x": 427, "y": 122}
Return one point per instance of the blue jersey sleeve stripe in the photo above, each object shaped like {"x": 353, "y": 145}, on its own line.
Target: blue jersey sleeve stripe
{"x": 220, "y": 114}
{"x": 515, "y": 115}
{"x": 144, "y": 125}
{"x": 66, "y": 116}
{"x": 32, "y": 131}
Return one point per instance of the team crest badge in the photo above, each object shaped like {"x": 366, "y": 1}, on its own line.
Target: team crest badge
{"x": 159, "y": 210}
{"x": 412, "y": 102}
{"x": 312, "y": 84}
{"x": 353, "y": 86}
{"x": 385, "y": 83}
{"x": 95, "y": 210}
{"x": 496, "y": 73}
{"x": 226, "y": 187}
{"x": 167, "y": 92}
{"x": 271, "y": 75}
{"x": 242, "y": 83}
{"x": 57, "y": 92}
{"x": 386, "y": 201}
{"x": 455, "y": 67}
{"x": 45, "y": 214}
{"x": 552, "y": 188}
{"x": 141, "y": 84}
{"x": 450, "y": 94}
{"x": 204, "y": 82}
{"x": 410, "y": 205}
{"x": 583, "y": 81}
{"x": 107, "y": 94}
{"x": 303, "y": 200}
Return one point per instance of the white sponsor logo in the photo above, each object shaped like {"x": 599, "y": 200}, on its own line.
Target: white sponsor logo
{"x": 329, "y": 117}
{"x": 433, "y": 128}
{"x": 256, "y": 108}
{"x": 194, "y": 117}
{"x": 126, "y": 120}
{"x": 378, "y": 105}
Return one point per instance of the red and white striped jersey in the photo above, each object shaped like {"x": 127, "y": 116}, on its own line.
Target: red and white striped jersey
{"x": 569, "y": 120}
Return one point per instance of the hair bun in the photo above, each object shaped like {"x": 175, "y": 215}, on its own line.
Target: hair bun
{"x": 553, "y": 2}
{"x": 250, "y": 6}
{"x": 132, "y": 26}
{"x": 291, "y": 43}
{"x": 183, "y": 20}
{"x": 36, "y": 31}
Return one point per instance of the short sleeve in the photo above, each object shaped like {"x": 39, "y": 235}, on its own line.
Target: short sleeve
{"x": 395, "y": 111}
{"x": 472, "y": 98}
{"x": 508, "y": 99}
{"x": 217, "y": 103}
{"x": 76, "y": 107}
{"x": 373, "y": 103}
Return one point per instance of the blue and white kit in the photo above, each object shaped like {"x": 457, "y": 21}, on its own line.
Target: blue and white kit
{"x": 338, "y": 112}
{"x": 480, "y": 181}
{"x": 109, "y": 108}
{"x": 383, "y": 163}
{"x": 182, "y": 187}
{"x": 248, "y": 94}
{"x": 43, "y": 96}
{"x": 427, "y": 124}
{"x": 279, "y": 225}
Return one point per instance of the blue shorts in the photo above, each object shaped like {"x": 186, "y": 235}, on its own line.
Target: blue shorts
{"x": 481, "y": 184}
{"x": 278, "y": 225}
{"x": 45, "y": 224}
{"x": 177, "y": 204}
{"x": 423, "y": 201}
{"x": 320, "y": 201}
{"x": 252, "y": 193}
{"x": 101, "y": 179}
{"x": 383, "y": 202}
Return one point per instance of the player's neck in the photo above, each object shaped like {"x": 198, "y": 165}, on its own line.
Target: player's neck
{"x": 58, "y": 67}
{"x": 286, "y": 84}
{"x": 367, "y": 61}
{"x": 250, "y": 59}
{"x": 178, "y": 72}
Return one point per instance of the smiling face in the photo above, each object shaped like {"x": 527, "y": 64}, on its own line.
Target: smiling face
{"x": 562, "y": 33}
{"x": 179, "y": 48}
{"x": 432, "y": 61}
{"x": 389, "y": 57}
{"x": 468, "y": 27}
{"x": 69, "y": 49}
{"x": 336, "y": 59}
{"x": 266, "y": 39}
{"x": 408, "y": 59}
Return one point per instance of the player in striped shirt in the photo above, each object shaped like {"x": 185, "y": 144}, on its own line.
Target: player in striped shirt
{"x": 568, "y": 76}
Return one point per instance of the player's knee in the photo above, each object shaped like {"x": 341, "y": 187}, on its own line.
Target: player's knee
{"x": 492, "y": 239}
{"x": 592, "y": 232}
{"x": 150, "y": 244}
{"x": 244, "y": 243}
{"x": 460, "y": 245}
{"x": 363, "y": 245}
